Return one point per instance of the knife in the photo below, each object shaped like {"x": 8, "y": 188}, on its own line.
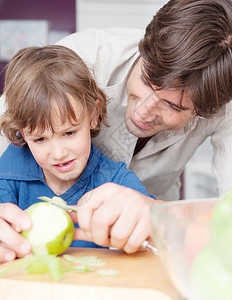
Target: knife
{"x": 59, "y": 202}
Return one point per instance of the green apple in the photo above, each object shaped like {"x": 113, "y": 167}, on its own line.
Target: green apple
{"x": 52, "y": 229}
{"x": 221, "y": 229}
{"x": 211, "y": 272}
{"x": 221, "y": 214}
{"x": 210, "y": 279}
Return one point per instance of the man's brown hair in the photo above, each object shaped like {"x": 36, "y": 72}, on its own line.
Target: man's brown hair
{"x": 188, "y": 45}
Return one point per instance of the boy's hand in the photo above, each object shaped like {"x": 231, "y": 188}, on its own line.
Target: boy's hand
{"x": 12, "y": 221}
{"x": 114, "y": 216}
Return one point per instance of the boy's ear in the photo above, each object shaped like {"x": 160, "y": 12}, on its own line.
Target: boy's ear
{"x": 95, "y": 115}
{"x": 20, "y": 132}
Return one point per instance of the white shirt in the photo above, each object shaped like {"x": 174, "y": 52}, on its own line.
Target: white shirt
{"x": 110, "y": 54}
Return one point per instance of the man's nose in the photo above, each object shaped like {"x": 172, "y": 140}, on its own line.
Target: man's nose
{"x": 148, "y": 105}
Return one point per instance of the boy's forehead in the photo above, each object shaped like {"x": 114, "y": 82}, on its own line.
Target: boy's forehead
{"x": 58, "y": 127}
{"x": 57, "y": 112}
{"x": 58, "y": 117}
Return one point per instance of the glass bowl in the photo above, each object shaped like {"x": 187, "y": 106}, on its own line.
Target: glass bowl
{"x": 181, "y": 229}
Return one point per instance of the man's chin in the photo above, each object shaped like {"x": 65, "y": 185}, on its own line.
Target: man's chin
{"x": 138, "y": 132}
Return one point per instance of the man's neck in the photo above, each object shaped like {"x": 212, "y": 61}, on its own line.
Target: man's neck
{"x": 141, "y": 142}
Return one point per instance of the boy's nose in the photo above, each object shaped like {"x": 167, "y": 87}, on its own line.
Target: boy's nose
{"x": 58, "y": 151}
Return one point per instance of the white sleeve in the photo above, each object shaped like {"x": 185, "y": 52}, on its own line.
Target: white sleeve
{"x": 222, "y": 158}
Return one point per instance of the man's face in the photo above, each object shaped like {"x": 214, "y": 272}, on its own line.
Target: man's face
{"x": 149, "y": 112}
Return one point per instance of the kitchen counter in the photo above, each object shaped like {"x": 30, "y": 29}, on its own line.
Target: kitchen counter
{"x": 141, "y": 276}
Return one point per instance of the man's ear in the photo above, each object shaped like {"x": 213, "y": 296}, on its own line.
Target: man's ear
{"x": 95, "y": 116}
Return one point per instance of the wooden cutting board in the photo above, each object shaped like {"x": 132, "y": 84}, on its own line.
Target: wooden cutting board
{"x": 141, "y": 276}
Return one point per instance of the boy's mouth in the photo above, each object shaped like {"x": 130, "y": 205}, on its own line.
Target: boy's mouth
{"x": 65, "y": 166}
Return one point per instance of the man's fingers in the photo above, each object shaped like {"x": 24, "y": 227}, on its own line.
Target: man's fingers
{"x": 131, "y": 236}
{"x": 82, "y": 235}
{"x": 73, "y": 216}
{"x": 120, "y": 233}
{"x": 14, "y": 243}
{"x": 12, "y": 221}
{"x": 6, "y": 254}
{"x": 102, "y": 223}
{"x": 138, "y": 236}
{"x": 15, "y": 216}
{"x": 116, "y": 216}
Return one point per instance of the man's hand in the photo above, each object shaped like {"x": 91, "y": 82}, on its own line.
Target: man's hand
{"x": 12, "y": 221}
{"x": 114, "y": 216}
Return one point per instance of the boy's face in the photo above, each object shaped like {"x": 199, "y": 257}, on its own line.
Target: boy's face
{"x": 62, "y": 155}
{"x": 149, "y": 112}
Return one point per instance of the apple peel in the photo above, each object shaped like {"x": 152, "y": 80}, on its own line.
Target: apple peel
{"x": 36, "y": 264}
{"x": 56, "y": 267}
{"x": 57, "y": 201}
{"x": 92, "y": 261}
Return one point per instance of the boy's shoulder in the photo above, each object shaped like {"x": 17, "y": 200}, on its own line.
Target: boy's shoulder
{"x": 104, "y": 162}
{"x": 17, "y": 160}
{"x": 108, "y": 170}
{"x": 15, "y": 152}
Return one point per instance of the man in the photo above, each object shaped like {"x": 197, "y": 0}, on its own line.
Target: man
{"x": 167, "y": 92}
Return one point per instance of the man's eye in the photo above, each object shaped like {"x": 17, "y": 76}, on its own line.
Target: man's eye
{"x": 175, "y": 108}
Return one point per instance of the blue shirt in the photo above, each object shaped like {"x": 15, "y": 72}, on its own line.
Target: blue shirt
{"x": 22, "y": 179}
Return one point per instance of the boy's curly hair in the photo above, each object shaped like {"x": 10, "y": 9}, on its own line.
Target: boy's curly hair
{"x": 34, "y": 77}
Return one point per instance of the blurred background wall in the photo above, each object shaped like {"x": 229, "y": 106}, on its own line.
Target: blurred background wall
{"x": 116, "y": 13}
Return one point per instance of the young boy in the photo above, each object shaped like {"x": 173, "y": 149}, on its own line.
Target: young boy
{"x": 54, "y": 107}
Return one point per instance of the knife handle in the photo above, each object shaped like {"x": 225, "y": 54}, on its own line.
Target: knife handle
{"x": 146, "y": 244}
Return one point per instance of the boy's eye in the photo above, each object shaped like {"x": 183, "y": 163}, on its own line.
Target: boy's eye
{"x": 70, "y": 133}
{"x": 39, "y": 140}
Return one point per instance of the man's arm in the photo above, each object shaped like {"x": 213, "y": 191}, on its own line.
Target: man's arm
{"x": 114, "y": 216}
{"x": 222, "y": 159}
{"x": 12, "y": 221}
